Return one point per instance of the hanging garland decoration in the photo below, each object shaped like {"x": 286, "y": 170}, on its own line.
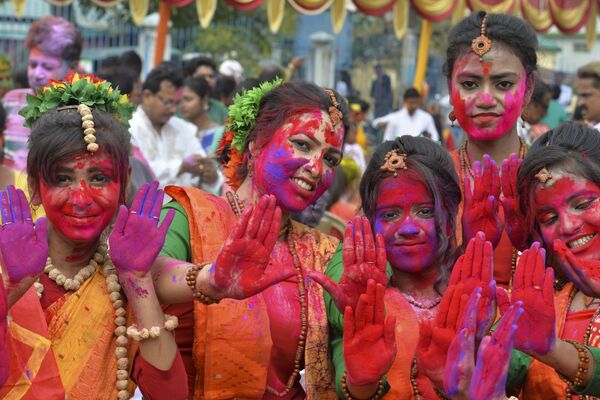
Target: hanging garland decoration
{"x": 206, "y": 11}
{"x": 401, "y": 13}
{"x": 310, "y": 7}
{"x": 139, "y": 10}
{"x": 375, "y": 8}
{"x": 570, "y": 16}
{"x": 106, "y": 3}
{"x": 537, "y": 13}
{"x": 338, "y": 15}
{"x": 590, "y": 28}
{"x": 245, "y": 5}
{"x": 493, "y": 6}
{"x": 434, "y": 10}
{"x": 275, "y": 12}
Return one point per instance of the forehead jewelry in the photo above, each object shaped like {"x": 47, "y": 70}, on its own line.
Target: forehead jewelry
{"x": 482, "y": 44}
{"x": 394, "y": 162}
{"x": 543, "y": 176}
{"x": 334, "y": 112}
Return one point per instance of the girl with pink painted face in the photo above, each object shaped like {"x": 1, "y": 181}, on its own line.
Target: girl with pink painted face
{"x": 257, "y": 319}
{"x": 86, "y": 321}
{"x": 559, "y": 183}
{"x": 490, "y": 65}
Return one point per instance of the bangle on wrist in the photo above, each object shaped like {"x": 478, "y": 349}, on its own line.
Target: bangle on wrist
{"x": 138, "y": 335}
{"x": 346, "y": 393}
{"x": 582, "y": 368}
{"x": 190, "y": 277}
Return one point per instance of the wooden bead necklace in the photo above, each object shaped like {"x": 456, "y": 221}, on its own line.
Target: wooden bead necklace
{"x": 101, "y": 257}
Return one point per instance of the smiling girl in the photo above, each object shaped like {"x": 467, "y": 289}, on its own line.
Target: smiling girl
{"x": 81, "y": 293}
{"x": 278, "y": 155}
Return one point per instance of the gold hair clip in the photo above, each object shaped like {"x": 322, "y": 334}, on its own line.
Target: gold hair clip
{"x": 87, "y": 123}
{"x": 482, "y": 44}
{"x": 543, "y": 176}
{"x": 394, "y": 162}
{"x": 334, "y": 113}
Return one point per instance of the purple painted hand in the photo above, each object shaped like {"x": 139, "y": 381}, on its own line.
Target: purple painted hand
{"x": 475, "y": 270}
{"x": 460, "y": 361}
{"x": 482, "y": 204}
{"x": 514, "y": 219}
{"x": 369, "y": 338}
{"x": 243, "y": 266}
{"x": 23, "y": 245}
{"x": 136, "y": 238}
{"x": 488, "y": 381}
{"x": 533, "y": 287}
{"x": 363, "y": 260}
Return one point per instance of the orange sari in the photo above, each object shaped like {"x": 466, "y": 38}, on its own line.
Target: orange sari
{"x": 232, "y": 339}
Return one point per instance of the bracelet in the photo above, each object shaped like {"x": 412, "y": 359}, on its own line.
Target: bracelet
{"x": 190, "y": 277}
{"x": 347, "y": 396}
{"x": 133, "y": 332}
{"x": 582, "y": 368}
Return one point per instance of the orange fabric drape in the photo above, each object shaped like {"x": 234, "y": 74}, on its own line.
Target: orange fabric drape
{"x": 164, "y": 11}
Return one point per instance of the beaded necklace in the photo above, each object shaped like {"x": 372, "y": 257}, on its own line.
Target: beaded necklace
{"x": 423, "y": 306}
{"x": 114, "y": 289}
{"x": 465, "y": 168}
{"x": 238, "y": 207}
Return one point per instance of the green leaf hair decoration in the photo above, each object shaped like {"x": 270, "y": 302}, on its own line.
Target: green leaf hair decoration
{"x": 243, "y": 112}
{"x": 78, "y": 89}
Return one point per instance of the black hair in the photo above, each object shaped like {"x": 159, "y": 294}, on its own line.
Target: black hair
{"x": 198, "y": 86}
{"x": 2, "y": 119}
{"x": 132, "y": 60}
{"x": 540, "y": 90}
{"x": 590, "y": 71}
{"x": 57, "y": 137}
{"x": 556, "y": 91}
{"x": 435, "y": 167}
{"x": 166, "y": 71}
{"x": 121, "y": 77}
{"x": 573, "y": 147}
{"x": 190, "y": 66}
{"x": 512, "y": 32}
{"x": 110, "y": 62}
{"x": 411, "y": 93}
{"x": 225, "y": 87}
{"x": 270, "y": 73}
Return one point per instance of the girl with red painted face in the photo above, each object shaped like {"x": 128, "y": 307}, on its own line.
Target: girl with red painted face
{"x": 86, "y": 321}
{"x": 559, "y": 183}
{"x": 490, "y": 87}
{"x": 278, "y": 154}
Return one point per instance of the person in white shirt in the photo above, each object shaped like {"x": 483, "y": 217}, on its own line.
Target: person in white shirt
{"x": 588, "y": 93}
{"x": 409, "y": 120}
{"x": 167, "y": 142}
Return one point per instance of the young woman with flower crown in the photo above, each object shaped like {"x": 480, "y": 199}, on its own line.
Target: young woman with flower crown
{"x": 86, "y": 321}
{"x": 278, "y": 154}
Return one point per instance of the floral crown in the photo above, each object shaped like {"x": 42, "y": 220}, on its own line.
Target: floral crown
{"x": 80, "y": 92}
{"x": 241, "y": 120}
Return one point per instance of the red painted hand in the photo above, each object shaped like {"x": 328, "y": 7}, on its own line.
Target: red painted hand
{"x": 243, "y": 267}
{"x": 461, "y": 361}
{"x": 434, "y": 341}
{"x": 369, "y": 342}
{"x": 475, "y": 270}
{"x": 532, "y": 285}
{"x": 488, "y": 381}
{"x": 363, "y": 260}
{"x": 481, "y": 206}
{"x": 584, "y": 273}
{"x": 23, "y": 245}
{"x": 136, "y": 238}
{"x": 4, "y": 355}
{"x": 516, "y": 226}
